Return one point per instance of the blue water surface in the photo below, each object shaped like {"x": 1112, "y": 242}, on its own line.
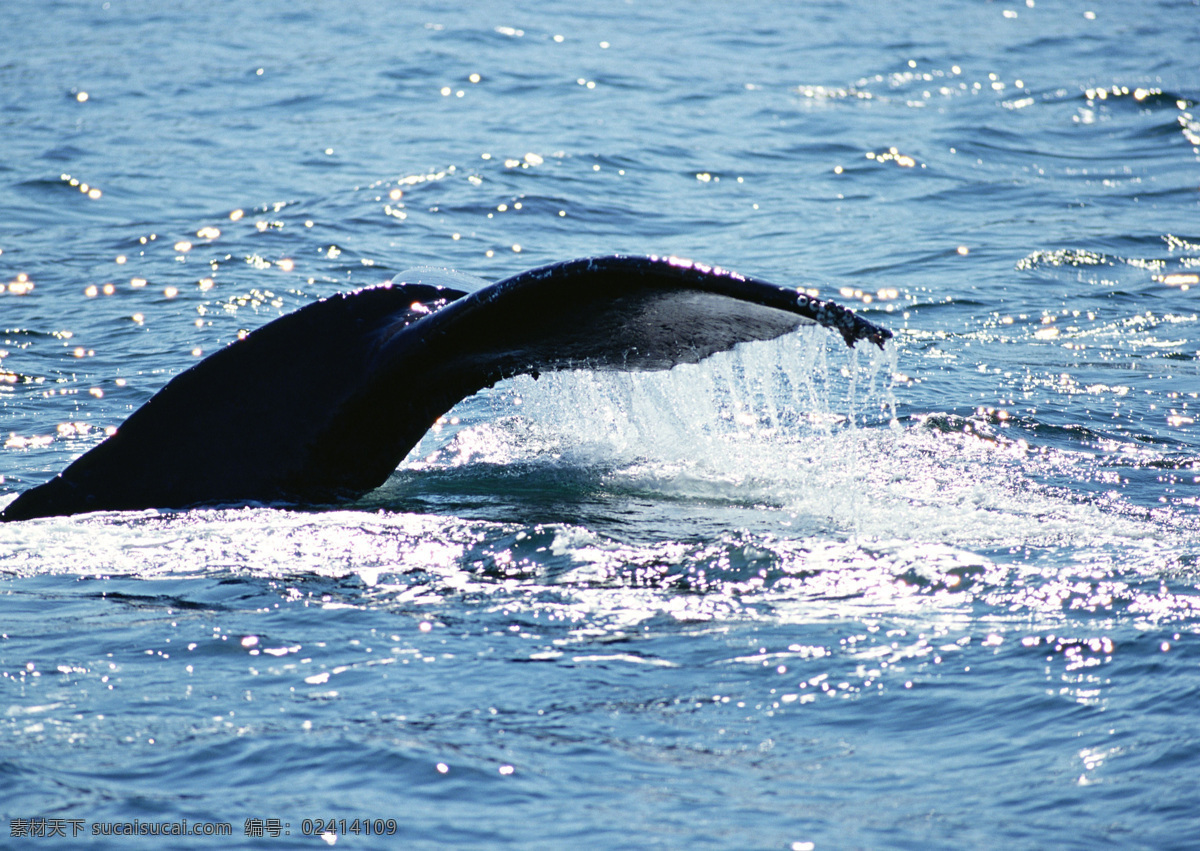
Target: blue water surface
{"x": 797, "y": 597}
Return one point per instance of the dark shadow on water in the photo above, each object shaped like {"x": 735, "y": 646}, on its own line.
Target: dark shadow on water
{"x": 593, "y": 496}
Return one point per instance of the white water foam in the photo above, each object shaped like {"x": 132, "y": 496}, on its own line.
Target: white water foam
{"x": 805, "y": 430}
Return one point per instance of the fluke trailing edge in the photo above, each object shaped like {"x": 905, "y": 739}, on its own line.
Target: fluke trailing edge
{"x": 324, "y": 403}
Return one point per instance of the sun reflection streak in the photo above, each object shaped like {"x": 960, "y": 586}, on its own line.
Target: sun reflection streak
{"x": 20, "y": 285}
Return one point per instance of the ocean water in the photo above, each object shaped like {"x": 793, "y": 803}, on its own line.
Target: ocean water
{"x": 797, "y": 597}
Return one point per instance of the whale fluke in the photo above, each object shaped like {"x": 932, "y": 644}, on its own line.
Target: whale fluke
{"x": 323, "y": 404}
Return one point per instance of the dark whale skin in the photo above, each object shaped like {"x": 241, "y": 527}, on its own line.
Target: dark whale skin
{"x": 322, "y": 404}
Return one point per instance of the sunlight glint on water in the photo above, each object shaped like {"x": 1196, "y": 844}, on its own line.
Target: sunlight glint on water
{"x": 727, "y": 607}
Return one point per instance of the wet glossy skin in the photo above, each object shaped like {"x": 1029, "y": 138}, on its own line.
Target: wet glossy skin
{"x": 324, "y": 403}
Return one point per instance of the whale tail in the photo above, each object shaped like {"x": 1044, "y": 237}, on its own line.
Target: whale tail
{"x": 324, "y": 403}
